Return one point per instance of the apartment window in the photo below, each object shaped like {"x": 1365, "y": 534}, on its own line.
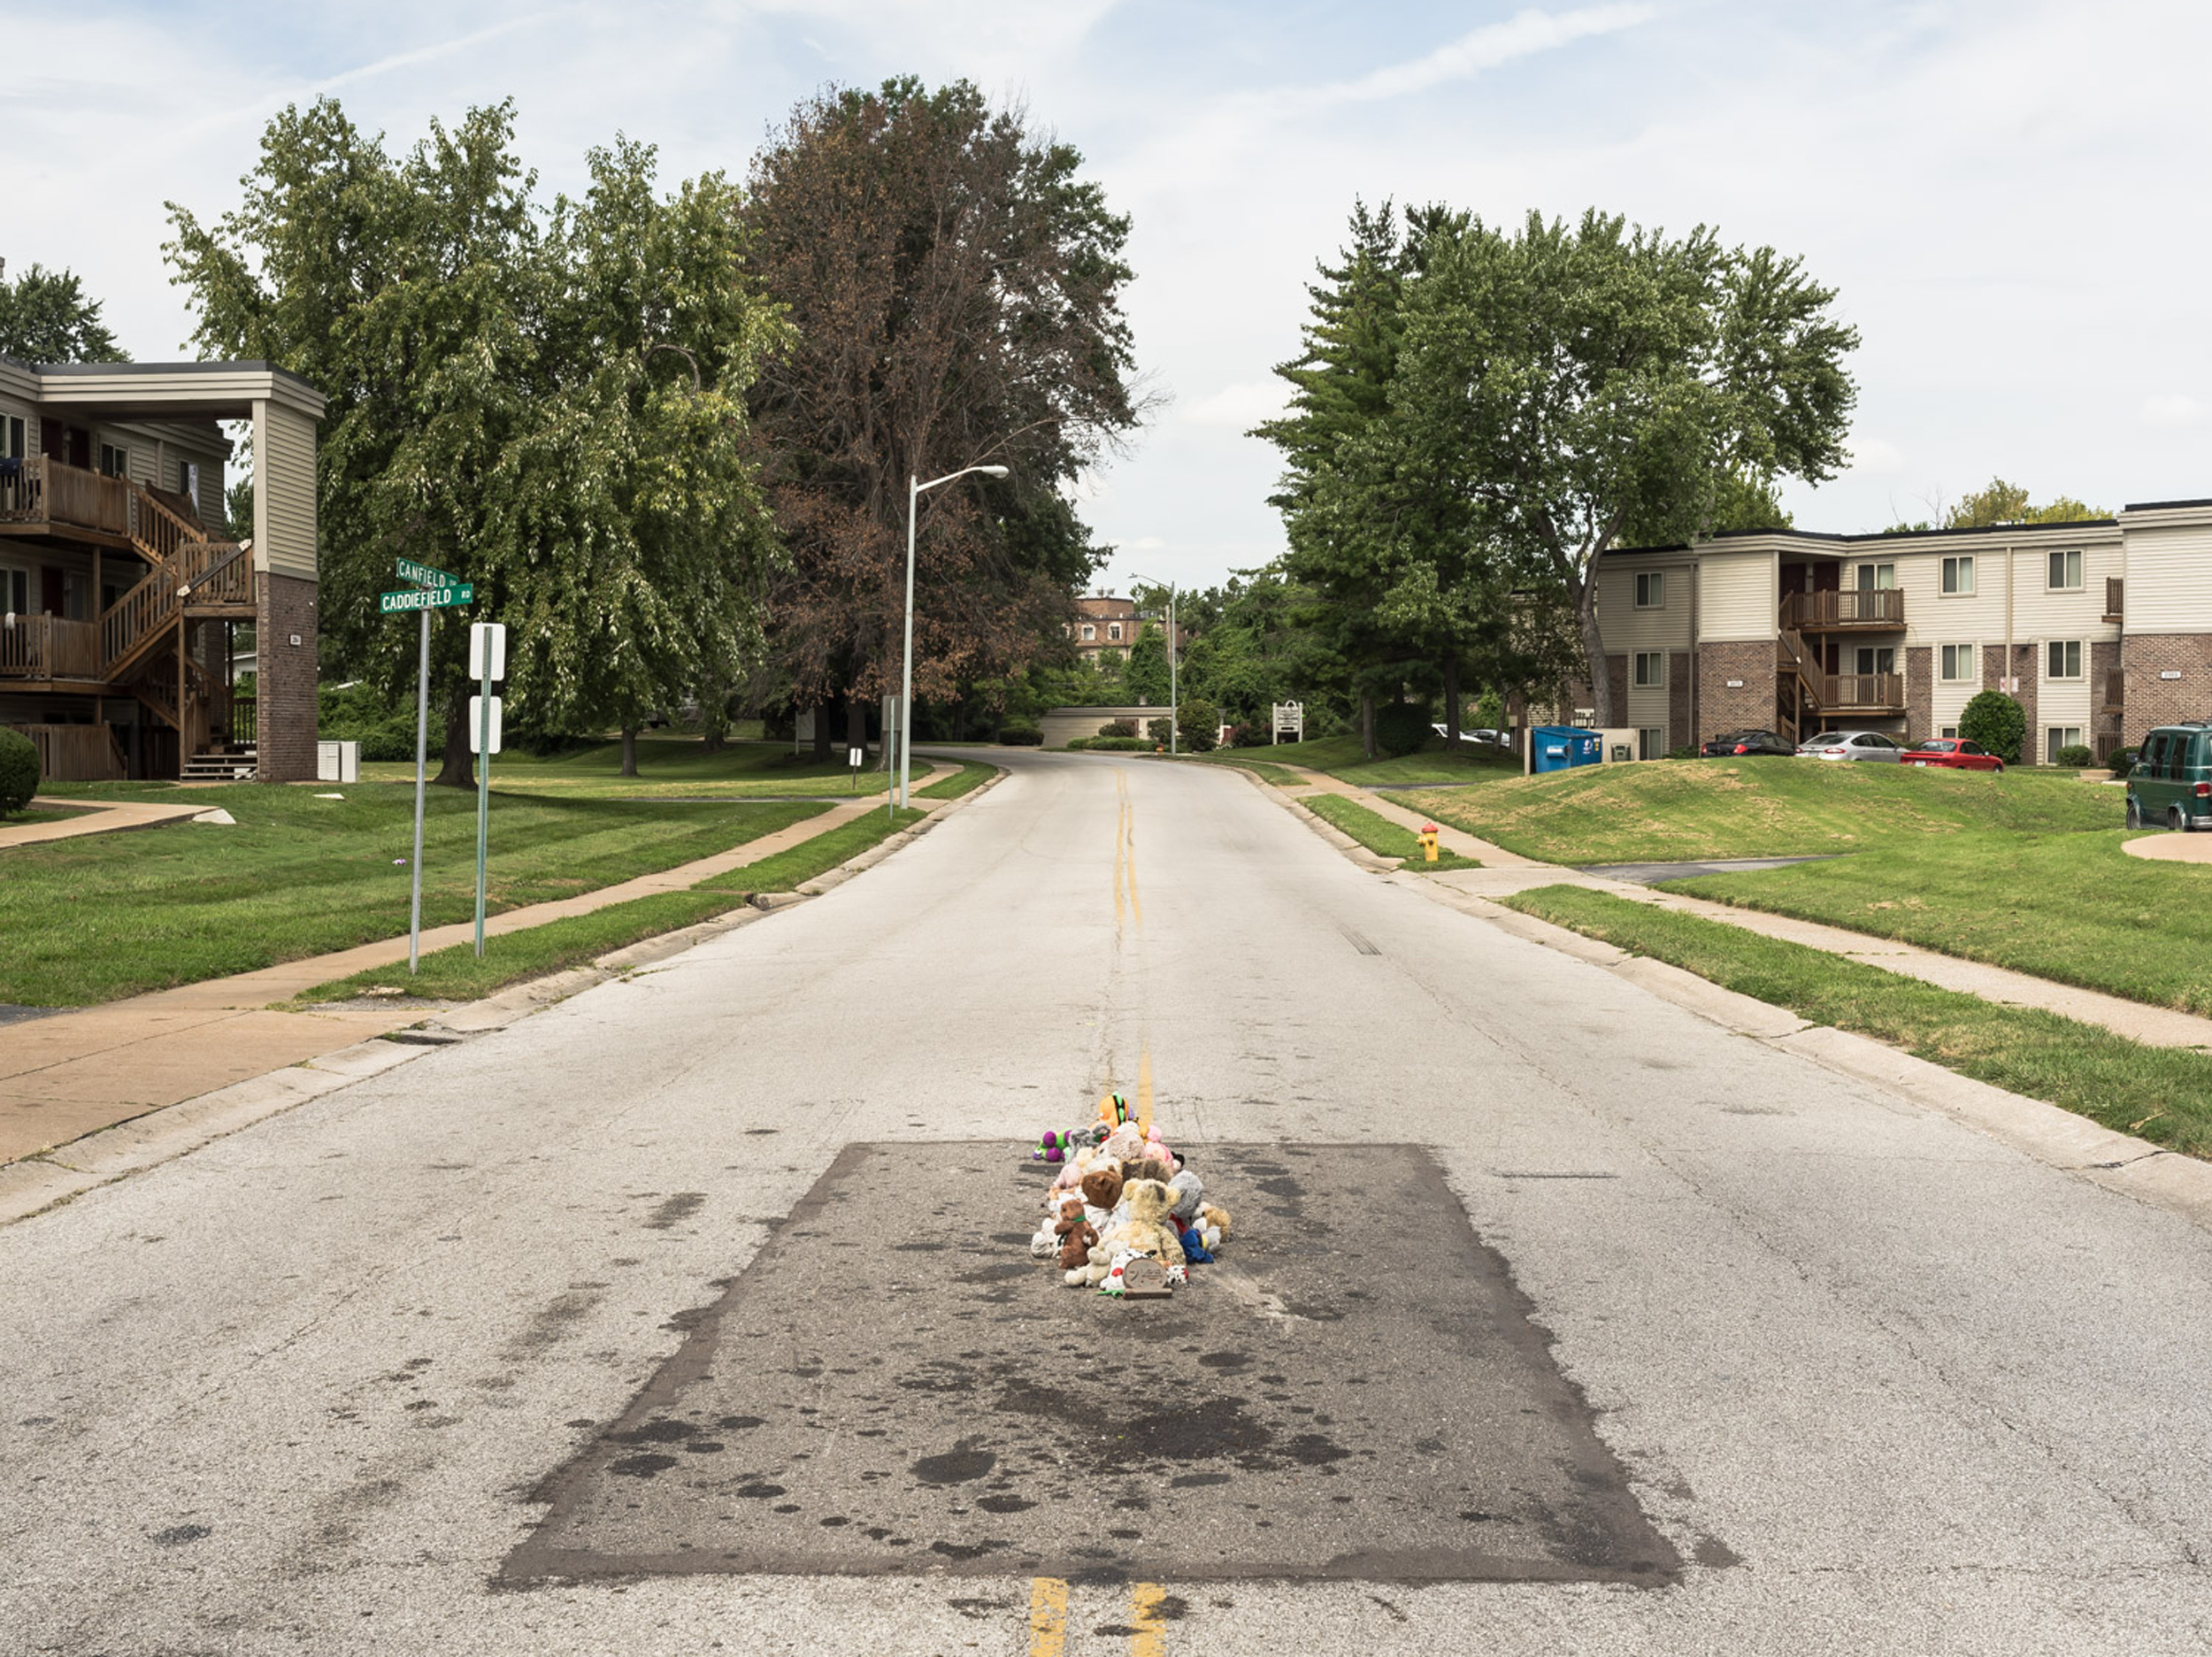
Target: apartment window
{"x": 15, "y": 592}
{"x": 2058, "y": 736}
{"x": 1651, "y": 590}
{"x": 1877, "y": 578}
{"x": 11, "y": 437}
{"x": 1948, "y": 730}
{"x": 1958, "y": 575}
{"x": 1651, "y": 742}
{"x": 115, "y": 460}
{"x": 2065, "y": 659}
{"x": 1877, "y": 658}
{"x": 2066, "y": 572}
{"x": 1955, "y": 665}
{"x": 1089, "y": 632}
{"x": 1113, "y": 631}
{"x": 1651, "y": 669}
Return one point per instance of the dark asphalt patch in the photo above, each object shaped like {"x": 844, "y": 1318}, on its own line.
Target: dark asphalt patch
{"x": 1355, "y": 1391}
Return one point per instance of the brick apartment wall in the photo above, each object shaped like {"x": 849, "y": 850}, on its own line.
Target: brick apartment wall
{"x": 2023, "y": 669}
{"x": 1678, "y": 686}
{"x": 286, "y": 733}
{"x": 1720, "y": 709}
{"x": 2151, "y": 701}
{"x": 2104, "y": 660}
{"x": 1919, "y": 692}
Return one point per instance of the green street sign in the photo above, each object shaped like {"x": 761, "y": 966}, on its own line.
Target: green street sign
{"x": 425, "y": 598}
{"x": 426, "y": 574}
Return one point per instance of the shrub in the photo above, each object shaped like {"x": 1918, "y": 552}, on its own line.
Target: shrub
{"x": 1249, "y": 734}
{"x": 1202, "y": 724}
{"x": 1400, "y": 728}
{"x": 2074, "y": 755}
{"x": 1997, "y": 722}
{"x": 1121, "y": 744}
{"x": 2122, "y": 761}
{"x": 1077, "y": 744}
{"x": 18, "y": 770}
{"x": 1159, "y": 729}
{"x": 358, "y": 713}
{"x": 1118, "y": 728}
{"x": 1017, "y": 733}
{"x": 1688, "y": 750}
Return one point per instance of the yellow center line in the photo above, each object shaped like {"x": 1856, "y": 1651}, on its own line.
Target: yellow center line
{"x": 1144, "y": 1089}
{"x": 1129, "y": 841}
{"x": 1047, "y": 1616}
{"x": 1121, "y": 828}
{"x": 1150, "y": 1639}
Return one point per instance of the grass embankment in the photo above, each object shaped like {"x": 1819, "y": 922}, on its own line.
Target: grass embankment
{"x": 1380, "y": 834}
{"x": 2164, "y": 1095}
{"x": 674, "y": 766}
{"x": 965, "y": 780}
{"x": 455, "y": 973}
{"x": 1339, "y": 757}
{"x": 90, "y": 919}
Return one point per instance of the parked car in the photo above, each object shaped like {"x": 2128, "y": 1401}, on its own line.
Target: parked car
{"x": 1748, "y": 742}
{"x": 1952, "y": 754}
{"x": 1852, "y": 745}
{"x": 2172, "y": 779}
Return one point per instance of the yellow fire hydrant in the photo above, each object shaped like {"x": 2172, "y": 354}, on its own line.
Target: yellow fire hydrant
{"x": 1428, "y": 842}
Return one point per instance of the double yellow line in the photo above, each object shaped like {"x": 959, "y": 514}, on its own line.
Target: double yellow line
{"x": 1125, "y": 852}
{"x": 1049, "y": 1618}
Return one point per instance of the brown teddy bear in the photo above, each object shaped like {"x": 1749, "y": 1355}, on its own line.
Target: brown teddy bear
{"x": 1101, "y": 1185}
{"x": 1076, "y": 1234}
{"x": 1143, "y": 1227}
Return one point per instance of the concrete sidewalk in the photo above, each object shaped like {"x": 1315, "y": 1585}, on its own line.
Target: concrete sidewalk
{"x": 71, "y": 1073}
{"x": 102, "y": 817}
{"x": 1504, "y": 873}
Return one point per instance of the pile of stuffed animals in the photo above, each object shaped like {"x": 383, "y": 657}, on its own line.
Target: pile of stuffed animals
{"x": 1123, "y": 1196}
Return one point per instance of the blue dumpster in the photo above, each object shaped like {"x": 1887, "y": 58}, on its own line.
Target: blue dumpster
{"x": 1563, "y": 746}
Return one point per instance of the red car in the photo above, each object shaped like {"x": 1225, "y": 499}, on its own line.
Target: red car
{"x": 1952, "y": 753}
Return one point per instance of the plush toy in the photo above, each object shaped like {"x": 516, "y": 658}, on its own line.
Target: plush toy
{"x": 1213, "y": 1224}
{"x": 1156, "y": 1147}
{"x": 1076, "y": 1234}
{"x": 1185, "y": 1195}
{"x": 1124, "y": 1144}
{"x": 1150, "y": 1167}
{"x": 1143, "y": 1227}
{"x": 1054, "y": 1148}
{"x": 1045, "y": 1241}
{"x": 1113, "y": 1110}
{"x": 1194, "y": 1250}
{"x": 1103, "y": 1184}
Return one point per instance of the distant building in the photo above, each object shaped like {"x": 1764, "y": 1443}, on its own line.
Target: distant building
{"x": 2101, "y": 630}
{"x": 1108, "y": 625}
{"x": 124, "y": 602}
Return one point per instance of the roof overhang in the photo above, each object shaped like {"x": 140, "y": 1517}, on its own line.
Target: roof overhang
{"x": 157, "y": 391}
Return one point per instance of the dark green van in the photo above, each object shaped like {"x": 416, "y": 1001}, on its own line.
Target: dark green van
{"x": 2171, "y": 783}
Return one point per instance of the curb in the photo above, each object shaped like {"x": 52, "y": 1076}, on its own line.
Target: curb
{"x": 37, "y": 1184}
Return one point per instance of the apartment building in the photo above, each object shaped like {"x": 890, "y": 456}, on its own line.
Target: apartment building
{"x": 1106, "y": 627}
{"x": 2102, "y": 629}
{"x": 124, "y": 600}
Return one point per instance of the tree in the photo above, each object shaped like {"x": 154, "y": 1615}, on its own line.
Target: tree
{"x": 1595, "y": 377}
{"x": 2000, "y": 503}
{"x": 1145, "y": 674}
{"x": 956, "y": 286}
{"x": 554, "y": 412}
{"x": 45, "y": 317}
{"x": 1995, "y": 721}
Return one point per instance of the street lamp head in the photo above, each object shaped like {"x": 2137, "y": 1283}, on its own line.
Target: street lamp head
{"x": 992, "y": 471}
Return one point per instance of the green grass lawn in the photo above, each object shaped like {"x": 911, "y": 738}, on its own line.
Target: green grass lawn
{"x": 968, "y": 777}
{"x": 456, "y": 974}
{"x": 91, "y": 919}
{"x": 42, "y": 814}
{"x": 671, "y": 766}
{"x": 2162, "y": 1093}
{"x": 1339, "y": 757}
{"x": 1676, "y": 810}
{"x": 1380, "y": 834}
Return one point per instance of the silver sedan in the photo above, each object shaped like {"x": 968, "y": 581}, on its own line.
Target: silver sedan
{"x": 1852, "y": 745}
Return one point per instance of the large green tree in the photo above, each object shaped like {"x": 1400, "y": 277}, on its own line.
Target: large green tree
{"x": 551, "y": 407}
{"x": 956, "y": 287}
{"x": 45, "y": 317}
{"x": 2002, "y": 502}
{"x": 1580, "y": 380}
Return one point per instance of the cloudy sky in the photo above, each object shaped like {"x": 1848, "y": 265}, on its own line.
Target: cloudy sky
{"x": 2010, "y": 194}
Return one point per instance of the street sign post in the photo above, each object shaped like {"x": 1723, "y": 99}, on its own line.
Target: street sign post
{"x": 487, "y": 661}
{"x": 425, "y": 598}
{"x": 425, "y": 574}
{"x": 434, "y": 589}
{"x": 855, "y": 757}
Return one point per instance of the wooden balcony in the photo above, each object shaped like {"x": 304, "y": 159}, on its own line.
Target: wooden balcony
{"x": 2115, "y": 593}
{"x": 1879, "y": 609}
{"x": 48, "y": 647}
{"x": 40, "y": 495}
{"x": 1836, "y": 693}
{"x": 2114, "y": 692}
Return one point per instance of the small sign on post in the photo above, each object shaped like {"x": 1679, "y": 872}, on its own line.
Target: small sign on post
{"x": 855, "y": 757}
{"x": 484, "y": 724}
{"x": 425, "y": 598}
{"x": 487, "y": 661}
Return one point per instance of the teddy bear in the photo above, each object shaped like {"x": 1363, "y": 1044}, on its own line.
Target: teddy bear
{"x": 1076, "y": 1234}
{"x": 1143, "y": 1227}
{"x": 1215, "y": 1224}
{"x": 1148, "y": 1168}
{"x": 1102, "y": 1185}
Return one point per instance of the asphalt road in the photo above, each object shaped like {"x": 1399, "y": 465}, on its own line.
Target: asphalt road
{"x": 696, "y": 1315}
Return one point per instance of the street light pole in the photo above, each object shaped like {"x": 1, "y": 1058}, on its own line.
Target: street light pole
{"x": 915, "y": 490}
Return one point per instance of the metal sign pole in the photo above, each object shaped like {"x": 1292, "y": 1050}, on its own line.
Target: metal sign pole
{"x": 483, "y": 790}
{"x": 422, "y": 750}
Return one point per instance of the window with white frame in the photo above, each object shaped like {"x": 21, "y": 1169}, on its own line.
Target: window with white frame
{"x": 1113, "y": 631}
{"x": 2060, "y": 736}
{"x": 1958, "y": 575}
{"x": 12, "y": 436}
{"x": 1651, "y": 742}
{"x": 115, "y": 460}
{"x": 1948, "y": 730}
{"x": 2066, "y": 572}
{"x": 1651, "y": 670}
{"x": 1651, "y": 590}
{"x": 1089, "y": 632}
{"x": 2062, "y": 659}
{"x": 1955, "y": 664}
{"x": 1877, "y": 578}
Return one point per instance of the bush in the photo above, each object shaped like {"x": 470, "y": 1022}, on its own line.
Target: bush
{"x": 1997, "y": 722}
{"x": 358, "y": 713}
{"x": 1121, "y": 744}
{"x": 1118, "y": 728}
{"x": 18, "y": 770}
{"x": 1159, "y": 729}
{"x": 2074, "y": 755}
{"x": 1202, "y": 724}
{"x": 1250, "y": 735}
{"x": 1688, "y": 750}
{"x": 2122, "y": 761}
{"x": 1077, "y": 744}
{"x": 1400, "y": 728}
{"x": 1017, "y": 733}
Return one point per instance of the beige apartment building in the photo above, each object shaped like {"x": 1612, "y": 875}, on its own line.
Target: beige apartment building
{"x": 124, "y": 600}
{"x": 2102, "y": 629}
{"x": 1106, "y": 627}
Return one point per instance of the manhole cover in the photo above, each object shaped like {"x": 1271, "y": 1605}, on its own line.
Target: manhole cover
{"x": 1354, "y": 1391}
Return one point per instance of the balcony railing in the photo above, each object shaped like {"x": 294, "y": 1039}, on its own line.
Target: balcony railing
{"x": 2114, "y": 691}
{"x": 48, "y": 648}
{"x": 1861, "y": 693}
{"x": 1879, "y": 610}
{"x": 2115, "y": 592}
{"x": 39, "y": 489}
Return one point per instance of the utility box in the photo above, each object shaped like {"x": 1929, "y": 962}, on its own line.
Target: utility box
{"x": 337, "y": 761}
{"x": 1564, "y": 747}
{"x": 1621, "y": 741}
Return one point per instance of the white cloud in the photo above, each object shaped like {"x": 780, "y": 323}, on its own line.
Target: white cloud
{"x": 1490, "y": 47}
{"x": 2173, "y": 410}
{"x": 1239, "y": 407}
